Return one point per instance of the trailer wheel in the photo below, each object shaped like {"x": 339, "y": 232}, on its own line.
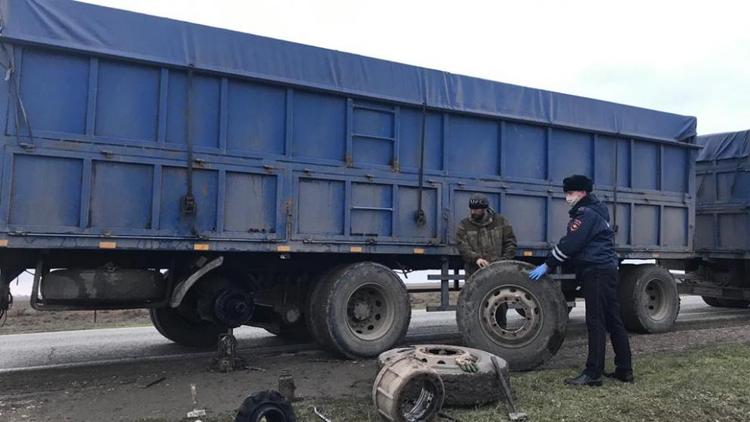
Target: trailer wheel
{"x": 733, "y": 303}
{"x": 649, "y": 299}
{"x": 180, "y": 326}
{"x": 524, "y": 342}
{"x": 711, "y": 301}
{"x": 359, "y": 310}
{"x": 297, "y": 331}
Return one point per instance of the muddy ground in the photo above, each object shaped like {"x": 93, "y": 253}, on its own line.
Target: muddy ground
{"x": 161, "y": 390}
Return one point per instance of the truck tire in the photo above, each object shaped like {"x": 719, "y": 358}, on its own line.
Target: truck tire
{"x": 268, "y": 406}
{"x": 461, "y": 388}
{"x": 183, "y": 328}
{"x": 292, "y": 332}
{"x": 649, "y": 299}
{"x": 733, "y": 303}
{"x": 359, "y": 310}
{"x": 496, "y": 289}
{"x": 711, "y": 301}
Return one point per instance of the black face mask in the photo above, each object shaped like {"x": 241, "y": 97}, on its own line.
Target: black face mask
{"x": 478, "y": 217}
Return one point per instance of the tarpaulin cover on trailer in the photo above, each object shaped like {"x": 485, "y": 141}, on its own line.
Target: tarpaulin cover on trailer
{"x": 80, "y": 26}
{"x": 722, "y": 146}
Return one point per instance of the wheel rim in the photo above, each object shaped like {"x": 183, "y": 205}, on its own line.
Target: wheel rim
{"x": 654, "y": 300}
{"x": 420, "y": 400}
{"x": 369, "y": 316}
{"x": 508, "y": 329}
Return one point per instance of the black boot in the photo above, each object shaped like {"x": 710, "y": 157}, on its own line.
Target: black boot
{"x": 584, "y": 379}
{"x": 624, "y": 376}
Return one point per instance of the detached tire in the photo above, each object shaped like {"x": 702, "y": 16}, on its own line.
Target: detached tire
{"x": 268, "y": 406}
{"x": 359, "y": 310}
{"x": 183, "y": 328}
{"x": 649, "y": 299}
{"x": 524, "y": 343}
{"x": 461, "y": 388}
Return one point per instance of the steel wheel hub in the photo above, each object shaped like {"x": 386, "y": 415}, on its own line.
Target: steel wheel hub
{"x": 511, "y": 329}
{"x": 368, "y": 314}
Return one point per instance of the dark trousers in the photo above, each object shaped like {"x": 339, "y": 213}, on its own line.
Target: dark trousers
{"x": 602, "y": 316}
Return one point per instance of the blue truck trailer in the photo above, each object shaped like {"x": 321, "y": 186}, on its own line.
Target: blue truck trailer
{"x": 720, "y": 271}
{"x": 224, "y": 179}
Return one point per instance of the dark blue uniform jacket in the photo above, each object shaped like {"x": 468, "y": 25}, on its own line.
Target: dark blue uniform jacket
{"x": 589, "y": 241}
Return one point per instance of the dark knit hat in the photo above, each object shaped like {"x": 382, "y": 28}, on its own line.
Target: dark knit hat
{"x": 577, "y": 182}
{"x": 478, "y": 201}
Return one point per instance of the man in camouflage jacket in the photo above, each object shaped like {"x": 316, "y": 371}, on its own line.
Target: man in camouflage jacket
{"x": 484, "y": 237}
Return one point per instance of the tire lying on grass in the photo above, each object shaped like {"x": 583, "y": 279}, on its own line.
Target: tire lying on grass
{"x": 490, "y": 293}
{"x": 268, "y": 406}
{"x": 649, "y": 299}
{"x": 461, "y": 388}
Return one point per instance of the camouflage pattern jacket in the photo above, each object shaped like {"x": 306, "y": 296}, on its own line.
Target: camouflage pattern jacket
{"x": 491, "y": 238}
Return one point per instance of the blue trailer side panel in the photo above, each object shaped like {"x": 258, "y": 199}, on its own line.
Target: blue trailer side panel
{"x": 723, "y": 195}
{"x": 288, "y": 154}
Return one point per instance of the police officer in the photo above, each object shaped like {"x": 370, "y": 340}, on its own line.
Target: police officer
{"x": 589, "y": 246}
{"x": 484, "y": 236}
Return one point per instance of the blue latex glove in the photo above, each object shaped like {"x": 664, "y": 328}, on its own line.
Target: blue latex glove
{"x": 539, "y": 272}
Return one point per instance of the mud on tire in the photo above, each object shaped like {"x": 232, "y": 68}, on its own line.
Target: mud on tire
{"x": 495, "y": 290}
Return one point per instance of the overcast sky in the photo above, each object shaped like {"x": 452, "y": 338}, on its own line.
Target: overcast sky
{"x": 686, "y": 57}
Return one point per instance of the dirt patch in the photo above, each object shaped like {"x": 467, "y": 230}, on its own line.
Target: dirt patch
{"x": 160, "y": 391}
{"x": 22, "y": 318}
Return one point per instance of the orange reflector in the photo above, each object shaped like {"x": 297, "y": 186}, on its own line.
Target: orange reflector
{"x": 3, "y": 243}
{"x": 200, "y": 246}
{"x": 356, "y": 249}
{"x": 283, "y": 248}
{"x": 107, "y": 245}
{"x": 418, "y": 250}
{"x": 528, "y": 253}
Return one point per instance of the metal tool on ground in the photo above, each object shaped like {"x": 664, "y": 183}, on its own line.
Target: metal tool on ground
{"x": 321, "y": 415}
{"x": 227, "y": 359}
{"x": 514, "y": 414}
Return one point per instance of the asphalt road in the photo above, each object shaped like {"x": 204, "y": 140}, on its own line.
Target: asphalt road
{"x": 87, "y": 347}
